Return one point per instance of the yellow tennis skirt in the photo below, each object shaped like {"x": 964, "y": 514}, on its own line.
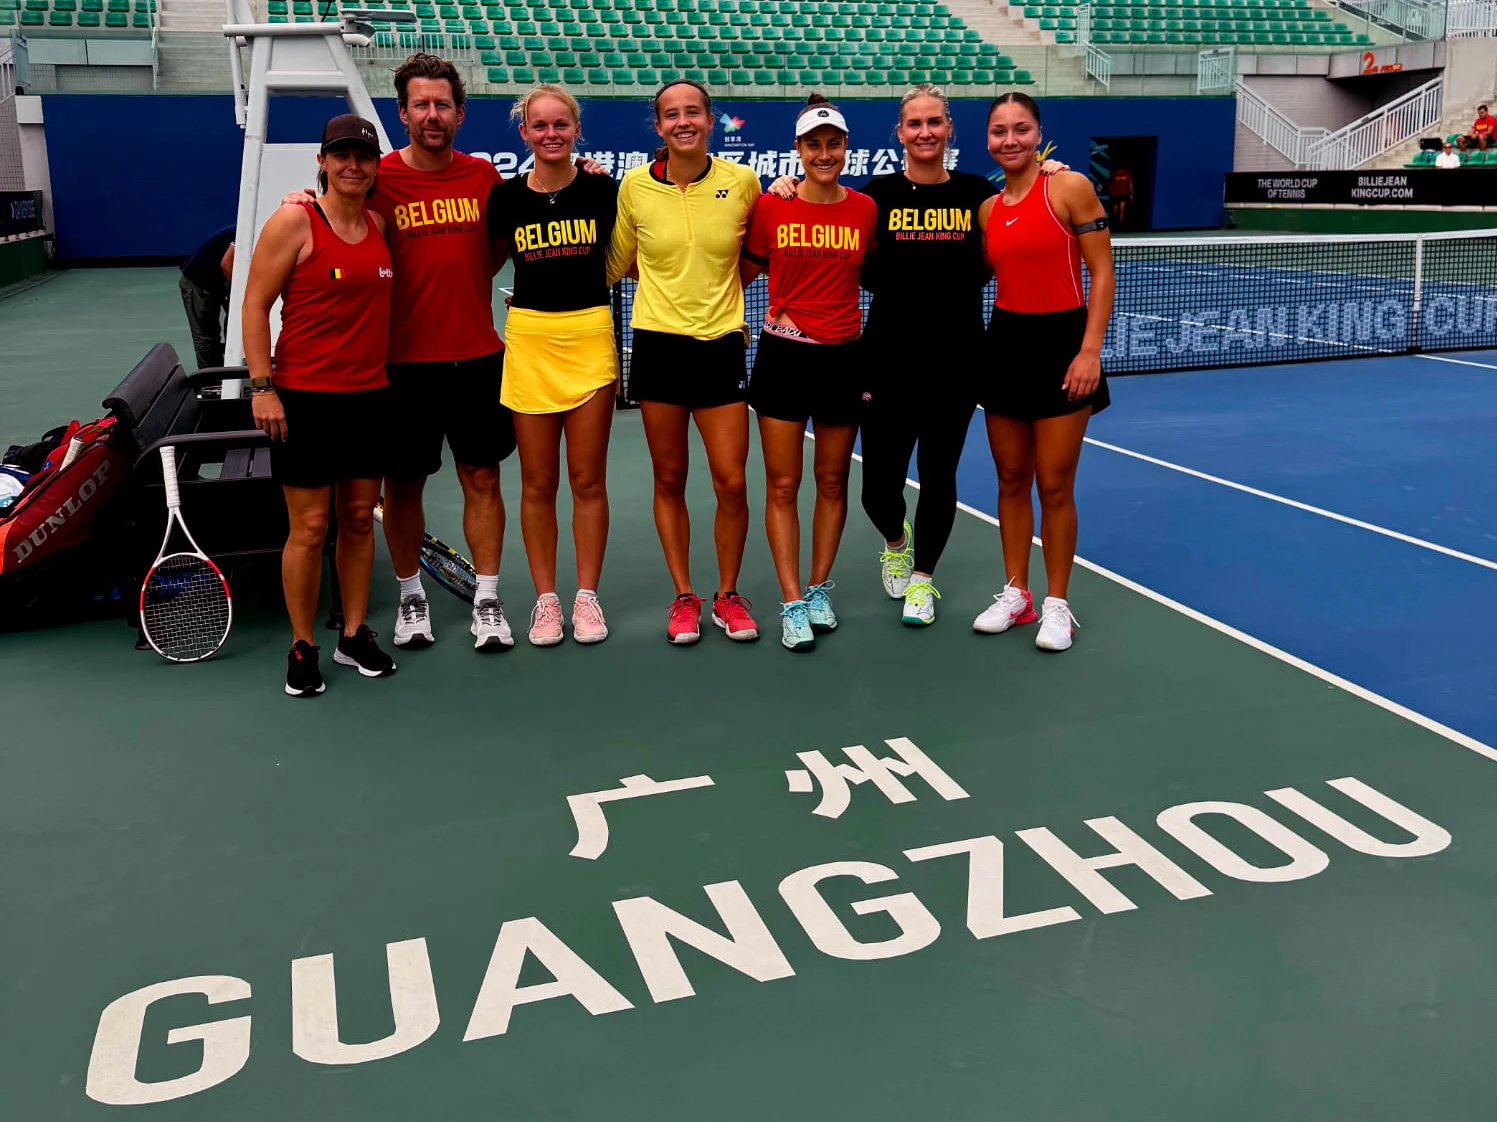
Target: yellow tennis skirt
{"x": 555, "y": 361}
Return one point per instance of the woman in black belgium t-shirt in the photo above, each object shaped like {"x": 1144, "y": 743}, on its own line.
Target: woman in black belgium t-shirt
{"x": 561, "y": 362}
{"x": 926, "y": 273}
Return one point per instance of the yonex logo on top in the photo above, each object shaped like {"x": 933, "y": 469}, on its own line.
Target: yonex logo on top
{"x": 722, "y": 194}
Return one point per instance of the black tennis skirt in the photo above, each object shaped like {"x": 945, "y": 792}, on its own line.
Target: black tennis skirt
{"x": 1027, "y": 358}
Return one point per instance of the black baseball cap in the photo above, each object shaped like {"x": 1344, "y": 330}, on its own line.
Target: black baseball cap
{"x": 350, "y": 128}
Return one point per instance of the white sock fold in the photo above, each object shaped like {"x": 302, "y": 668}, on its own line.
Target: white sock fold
{"x": 587, "y": 594}
{"x": 488, "y": 588}
{"x": 411, "y": 586}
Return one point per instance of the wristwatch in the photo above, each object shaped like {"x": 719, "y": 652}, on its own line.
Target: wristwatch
{"x": 261, "y": 385}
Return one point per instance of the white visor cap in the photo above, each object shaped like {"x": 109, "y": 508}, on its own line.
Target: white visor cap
{"x": 815, "y": 116}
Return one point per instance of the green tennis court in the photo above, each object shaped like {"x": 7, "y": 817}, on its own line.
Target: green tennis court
{"x": 221, "y": 904}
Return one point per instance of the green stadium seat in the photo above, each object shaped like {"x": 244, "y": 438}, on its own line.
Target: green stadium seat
{"x": 119, "y": 19}
{"x": 764, "y": 78}
{"x": 524, "y": 75}
{"x": 498, "y": 75}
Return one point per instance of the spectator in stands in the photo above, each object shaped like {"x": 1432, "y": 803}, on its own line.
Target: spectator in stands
{"x": 680, "y": 228}
{"x": 204, "y": 284}
{"x": 1448, "y": 157}
{"x": 1120, "y": 194}
{"x": 326, "y": 404}
{"x": 1483, "y": 132}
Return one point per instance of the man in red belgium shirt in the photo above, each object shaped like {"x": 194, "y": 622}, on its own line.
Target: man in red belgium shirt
{"x": 446, "y": 359}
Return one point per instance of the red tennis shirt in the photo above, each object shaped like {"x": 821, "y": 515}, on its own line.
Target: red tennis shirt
{"x": 335, "y": 313}
{"x": 436, "y": 223}
{"x": 813, "y": 252}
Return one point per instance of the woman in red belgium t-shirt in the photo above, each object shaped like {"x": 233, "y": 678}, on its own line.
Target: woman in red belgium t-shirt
{"x": 325, "y": 402}
{"x": 807, "y": 368}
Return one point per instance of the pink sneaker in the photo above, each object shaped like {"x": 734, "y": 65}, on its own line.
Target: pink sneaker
{"x": 730, "y": 611}
{"x": 545, "y": 622}
{"x": 588, "y": 625}
{"x": 685, "y": 624}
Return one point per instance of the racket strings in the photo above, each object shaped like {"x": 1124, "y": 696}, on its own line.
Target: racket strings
{"x": 185, "y": 608}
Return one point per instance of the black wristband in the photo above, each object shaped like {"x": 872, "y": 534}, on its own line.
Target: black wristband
{"x": 1092, "y": 226}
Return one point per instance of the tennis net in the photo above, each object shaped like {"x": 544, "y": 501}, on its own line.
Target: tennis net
{"x": 1198, "y": 303}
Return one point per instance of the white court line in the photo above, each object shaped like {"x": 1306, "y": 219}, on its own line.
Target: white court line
{"x": 1428, "y": 723}
{"x": 1458, "y": 361}
{"x": 1297, "y": 505}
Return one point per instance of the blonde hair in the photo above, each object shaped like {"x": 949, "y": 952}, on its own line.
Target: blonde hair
{"x": 520, "y": 110}
{"x": 925, "y": 89}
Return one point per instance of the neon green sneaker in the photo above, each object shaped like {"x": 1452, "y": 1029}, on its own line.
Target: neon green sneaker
{"x": 896, "y": 565}
{"x": 920, "y": 603}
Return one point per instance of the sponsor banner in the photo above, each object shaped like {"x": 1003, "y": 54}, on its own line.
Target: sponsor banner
{"x": 20, "y": 213}
{"x": 1396, "y": 187}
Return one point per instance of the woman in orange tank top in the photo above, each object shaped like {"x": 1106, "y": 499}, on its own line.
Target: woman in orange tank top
{"x": 325, "y": 400}
{"x": 1045, "y": 347}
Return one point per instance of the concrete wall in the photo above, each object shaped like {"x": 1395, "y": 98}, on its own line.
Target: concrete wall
{"x": 1470, "y": 73}
{"x": 35, "y": 167}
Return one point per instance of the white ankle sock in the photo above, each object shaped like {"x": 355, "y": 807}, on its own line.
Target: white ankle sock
{"x": 587, "y": 594}
{"x": 411, "y": 586}
{"x": 488, "y": 588}
{"x": 548, "y": 596}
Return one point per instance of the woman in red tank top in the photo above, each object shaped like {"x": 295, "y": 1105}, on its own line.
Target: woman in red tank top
{"x": 1045, "y": 348}
{"x": 324, "y": 399}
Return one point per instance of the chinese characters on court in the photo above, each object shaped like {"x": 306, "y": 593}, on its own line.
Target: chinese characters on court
{"x": 836, "y": 781}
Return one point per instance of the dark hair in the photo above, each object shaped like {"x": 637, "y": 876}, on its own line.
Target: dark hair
{"x": 662, "y": 152}
{"x": 428, "y": 66}
{"x": 1030, "y": 105}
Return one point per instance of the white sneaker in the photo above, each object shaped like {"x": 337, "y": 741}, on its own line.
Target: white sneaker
{"x": 920, "y": 603}
{"x": 1010, "y": 607}
{"x": 1056, "y": 625}
{"x": 413, "y": 623}
{"x": 490, "y": 629}
{"x": 896, "y": 565}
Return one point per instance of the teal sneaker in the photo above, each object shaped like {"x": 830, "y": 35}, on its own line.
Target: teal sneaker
{"x": 895, "y": 565}
{"x": 795, "y": 623}
{"x": 920, "y": 603}
{"x": 819, "y": 606}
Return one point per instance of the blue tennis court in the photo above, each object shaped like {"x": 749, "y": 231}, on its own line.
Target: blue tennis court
{"x": 1344, "y": 512}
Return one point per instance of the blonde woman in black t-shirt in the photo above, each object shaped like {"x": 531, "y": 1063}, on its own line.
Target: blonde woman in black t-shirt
{"x": 561, "y": 365}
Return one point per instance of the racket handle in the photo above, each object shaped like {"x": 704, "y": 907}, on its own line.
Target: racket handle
{"x": 169, "y": 477}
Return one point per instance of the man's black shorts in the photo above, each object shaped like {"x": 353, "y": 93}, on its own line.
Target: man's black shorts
{"x": 455, "y": 400}
{"x": 331, "y": 437}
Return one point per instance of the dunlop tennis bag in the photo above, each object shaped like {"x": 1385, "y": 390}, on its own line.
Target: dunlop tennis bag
{"x": 59, "y": 533}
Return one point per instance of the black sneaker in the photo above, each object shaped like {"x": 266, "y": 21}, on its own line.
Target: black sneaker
{"x": 303, "y": 675}
{"x": 360, "y": 649}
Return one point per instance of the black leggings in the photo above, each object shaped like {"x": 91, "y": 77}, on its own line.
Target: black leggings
{"x": 892, "y": 426}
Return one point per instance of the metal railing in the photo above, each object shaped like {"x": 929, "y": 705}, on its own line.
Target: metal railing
{"x": 1402, "y": 119}
{"x": 1471, "y": 19}
{"x": 1412, "y": 19}
{"x": 1272, "y": 127}
{"x": 1216, "y": 70}
{"x": 1099, "y": 65}
{"x": 397, "y": 46}
{"x": 1083, "y": 25}
{"x": 1353, "y": 144}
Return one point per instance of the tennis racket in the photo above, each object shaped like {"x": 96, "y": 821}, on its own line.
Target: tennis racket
{"x": 443, "y": 564}
{"x": 185, "y": 610}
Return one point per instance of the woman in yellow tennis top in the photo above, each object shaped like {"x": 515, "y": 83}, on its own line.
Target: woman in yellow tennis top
{"x": 681, "y": 221}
